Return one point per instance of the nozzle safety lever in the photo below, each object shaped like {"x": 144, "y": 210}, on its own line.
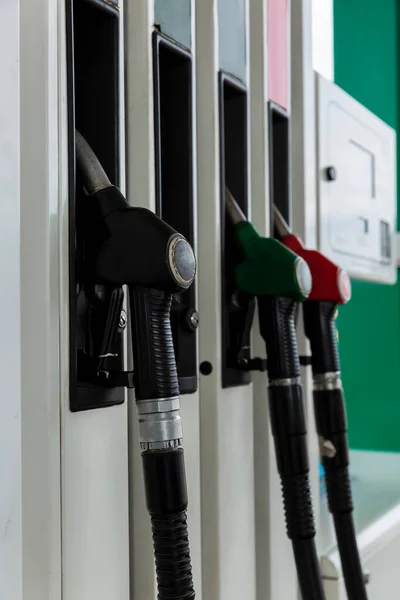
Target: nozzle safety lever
{"x": 243, "y": 360}
{"x": 107, "y": 376}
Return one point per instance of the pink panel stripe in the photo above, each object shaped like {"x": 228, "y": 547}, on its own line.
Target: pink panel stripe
{"x": 278, "y": 47}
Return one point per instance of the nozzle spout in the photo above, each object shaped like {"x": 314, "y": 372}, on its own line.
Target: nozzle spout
{"x": 234, "y": 211}
{"x": 281, "y": 226}
{"x": 93, "y": 174}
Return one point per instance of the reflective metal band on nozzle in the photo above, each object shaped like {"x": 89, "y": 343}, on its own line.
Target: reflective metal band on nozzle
{"x": 160, "y": 424}
{"x": 303, "y": 276}
{"x": 181, "y": 261}
{"x": 327, "y": 381}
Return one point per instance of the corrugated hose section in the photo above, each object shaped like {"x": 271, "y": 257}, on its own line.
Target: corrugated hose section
{"x": 277, "y": 327}
{"x": 338, "y": 489}
{"x": 298, "y": 507}
{"x": 163, "y": 349}
{"x": 172, "y": 557}
{"x": 152, "y": 344}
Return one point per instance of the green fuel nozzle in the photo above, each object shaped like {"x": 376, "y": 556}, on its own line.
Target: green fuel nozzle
{"x": 268, "y": 268}
{"x": 279, "y": 278}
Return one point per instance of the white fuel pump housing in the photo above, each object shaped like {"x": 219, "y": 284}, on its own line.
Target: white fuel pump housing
{"x": 356, "y": 159}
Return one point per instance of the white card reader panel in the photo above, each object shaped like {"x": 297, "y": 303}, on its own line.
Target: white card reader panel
{"x": 356, "y": 157}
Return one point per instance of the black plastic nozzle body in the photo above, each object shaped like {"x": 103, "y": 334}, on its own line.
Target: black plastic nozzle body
{"x": 134, "y": 247}
{"x": 288, "y": 423}
{"x": 331, "y": 424}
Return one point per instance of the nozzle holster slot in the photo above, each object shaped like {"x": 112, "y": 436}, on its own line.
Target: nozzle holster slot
{"x": 234, "y": 174}
{"x": 174, "y": 152}
{"x": 279, "y": 161}
{"x": 93, "y": 98}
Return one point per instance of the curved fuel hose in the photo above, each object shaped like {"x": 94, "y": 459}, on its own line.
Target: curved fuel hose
{"x": 331, "y": 287}
{"x": 140, "y": 250}
{"x": 280, "y": 279}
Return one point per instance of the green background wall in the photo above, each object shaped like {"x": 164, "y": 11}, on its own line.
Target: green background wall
{"x": 366, "y": 66}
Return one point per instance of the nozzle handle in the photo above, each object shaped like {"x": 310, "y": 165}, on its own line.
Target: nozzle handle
{"x": 155, "y": 374}
{"x": 277, "y": 328}
{"x": 320, "y": 328}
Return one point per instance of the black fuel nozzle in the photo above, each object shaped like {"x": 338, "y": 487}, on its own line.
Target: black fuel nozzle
{"x": 136, "y": 248}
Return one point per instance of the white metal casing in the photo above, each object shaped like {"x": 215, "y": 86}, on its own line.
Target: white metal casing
{"x": 275, "y": 572}
{"x": 227, "y": 493}
{"x": 140, "y": 22}
{"x": 11, "y": 455}
{"x": 304, "y": 198}
{"x": 30, "y": 539}
{"x": 357, "y": 210}
{"x": 275, "y": 567}
{"x": 64, "y": 515}
{"x": 398, "y": 249}
{"x": 94, "y": 458}
{"x": 322, "y": 38}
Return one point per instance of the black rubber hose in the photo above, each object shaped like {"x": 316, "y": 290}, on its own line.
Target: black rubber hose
{"x": 331, "y": 425}
{"x": 307, "y": 562}
{"x": 166, "y": 496}
{"x": 288, "y": 424}
{"x": 340, "y": 503}
{"x": 347, "y": 545}
{"x": 163, "y": 469}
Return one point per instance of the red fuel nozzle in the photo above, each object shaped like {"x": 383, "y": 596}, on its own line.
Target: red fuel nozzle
{"x": 329, "y": 282}
{"x": 330, "y": 287}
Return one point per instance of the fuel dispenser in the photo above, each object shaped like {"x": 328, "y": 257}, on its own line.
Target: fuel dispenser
{"x": 223, "y": 68}
{"x": 94, "y": 421}
{"x": 117, "y": 248}
{"x": 106, "y": 133}
{"x": 161, "y": 171}
{"x": 162, "y": 176}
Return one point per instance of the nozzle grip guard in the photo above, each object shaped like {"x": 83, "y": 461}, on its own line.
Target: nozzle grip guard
{"x": 155, "y": 374}
{"x": 319, "y": 326}
{"x": 277, "y": 328}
